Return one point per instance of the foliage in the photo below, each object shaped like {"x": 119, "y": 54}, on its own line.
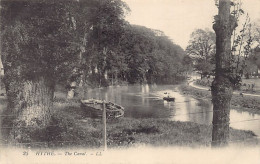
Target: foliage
{"x": 187, "y": 62}
{"x": 202, "y": 49}
{"x": 241, "y": 49}
{"x": 138, "y": 56}
{"x": 38, "y": 38}
{"x": 255, "y": 57}
{"x": 104, "y": 29}
{"x": 241, "y": 45}
{"x": 204, "y": 82}
{"x": 256, "y": 33}
{"x": 59, "y": 40}
{"x": 150, "y": 57}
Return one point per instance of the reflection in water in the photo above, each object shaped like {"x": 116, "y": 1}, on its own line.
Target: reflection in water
{"x": 194, "y": 112}
{"x": 145, "y": 94}
{"x": 146, "y": 101}
{"x": 245, "y": 121}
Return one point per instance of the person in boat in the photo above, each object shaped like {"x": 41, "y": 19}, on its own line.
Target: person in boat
{"x": 167, "y": 94}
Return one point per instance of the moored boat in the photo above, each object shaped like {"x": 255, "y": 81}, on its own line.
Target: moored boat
{"x": 95, "y": 108}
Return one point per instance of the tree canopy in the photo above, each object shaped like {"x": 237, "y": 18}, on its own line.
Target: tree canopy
{"x": 202, "y": 49}
{"x": 38, "y": 38}
{"x": 47, "y": 38}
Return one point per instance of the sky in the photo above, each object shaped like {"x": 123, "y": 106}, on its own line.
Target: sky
{"x": 179, "y": 18}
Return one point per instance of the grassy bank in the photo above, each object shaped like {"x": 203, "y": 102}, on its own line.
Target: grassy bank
{"x": 247, "y": 85}
{"x": 238, "y": 102}
{"x": 71, "y": 127}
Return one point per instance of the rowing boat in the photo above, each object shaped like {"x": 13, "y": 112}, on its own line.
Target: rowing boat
{"x": 95, "y": 108}
{"x": 169, "y": 98}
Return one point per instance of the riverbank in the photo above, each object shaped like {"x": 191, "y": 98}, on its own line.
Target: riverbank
{"x": 248, "y": 86}
{"x": 241, "y": 103}
{"x": 71, "y": 127}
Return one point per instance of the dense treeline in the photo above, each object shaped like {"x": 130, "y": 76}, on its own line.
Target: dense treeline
{"x": 116, "y": 52}
{"x": 143, "y": 57}
{"x": 152, "y": 58}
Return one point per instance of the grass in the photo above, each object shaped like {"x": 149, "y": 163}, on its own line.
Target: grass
{"x": 197, "y": 93}
{"x": 246, "y": 84}
{"x": 254, "y": 81}
{"x": 246, "y": 103}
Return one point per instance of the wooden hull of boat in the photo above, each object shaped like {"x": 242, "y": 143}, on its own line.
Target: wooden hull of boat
{"x": 96, "y": 109}
{"x": 92, "y": 112}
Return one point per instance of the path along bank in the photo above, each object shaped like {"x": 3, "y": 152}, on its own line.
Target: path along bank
{"x": 241, "y": 102}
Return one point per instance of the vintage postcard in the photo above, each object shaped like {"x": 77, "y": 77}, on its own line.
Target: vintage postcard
{"x": 129, "y": 81}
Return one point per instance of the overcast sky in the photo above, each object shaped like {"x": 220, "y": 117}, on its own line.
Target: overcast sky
{"x": 178, "y": 18}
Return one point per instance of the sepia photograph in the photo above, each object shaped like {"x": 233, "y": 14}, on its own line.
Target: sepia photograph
{"x": 130, "y": 81}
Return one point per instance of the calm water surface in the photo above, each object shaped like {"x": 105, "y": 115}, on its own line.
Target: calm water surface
{"x": 146, "y": 101}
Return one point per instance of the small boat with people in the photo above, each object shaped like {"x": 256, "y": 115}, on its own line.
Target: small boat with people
{"x": 168, "y": 97}
{"x": 95, "y": 108}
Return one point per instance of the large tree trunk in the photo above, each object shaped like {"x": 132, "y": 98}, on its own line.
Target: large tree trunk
{"x": 37, "y": 102}
{"x": 31, "y": 101}
{"x": 222, "y": 88}
{"x": 84, "y": 83}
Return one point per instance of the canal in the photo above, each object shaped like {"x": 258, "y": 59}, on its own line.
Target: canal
{"x": 146, "y": 101}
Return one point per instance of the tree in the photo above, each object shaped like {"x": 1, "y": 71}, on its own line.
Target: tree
{"x": 222, "y": 86}
{"x": 187, "y": 62}
{"x": 256, "y": 33}
{"x": 108, "y": 26}
{"x": 99, "y": 25}
{"x": 253, "y": 62}
{"x": 204, "y": 67}
{"x": 250, "y": 68}
{"x": 150, "y": 58}
{"x": 256, "y": 57}
{"x": 138, "y": 42}
{"x": 202, "y": 49}
{"x": 38, "y": 42}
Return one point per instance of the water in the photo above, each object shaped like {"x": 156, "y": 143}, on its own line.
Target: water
{"x": 146, "y": 101}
